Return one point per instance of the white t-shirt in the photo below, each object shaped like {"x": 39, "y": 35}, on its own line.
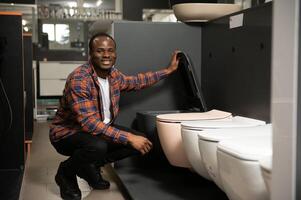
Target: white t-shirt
{"x": 105, "y": 95}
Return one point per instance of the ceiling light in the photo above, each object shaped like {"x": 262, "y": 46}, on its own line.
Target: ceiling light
{"x": 87, "y": 5}
{"x": 71, "y": 12}
{"x": 26, "y": 29}
{"x": 98, "y": 3}
{"x": 72, "y": 4}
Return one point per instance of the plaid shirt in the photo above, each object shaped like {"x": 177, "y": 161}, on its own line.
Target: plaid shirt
{"x": 81, "y": 108}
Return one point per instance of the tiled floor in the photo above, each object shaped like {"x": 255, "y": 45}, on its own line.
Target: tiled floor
{"x": 41, "y": 167}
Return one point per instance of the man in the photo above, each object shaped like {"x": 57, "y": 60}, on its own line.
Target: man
{"x": 82, "y": 128}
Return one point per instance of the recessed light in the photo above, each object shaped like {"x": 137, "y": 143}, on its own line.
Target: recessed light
{"x": 98, "y": 3}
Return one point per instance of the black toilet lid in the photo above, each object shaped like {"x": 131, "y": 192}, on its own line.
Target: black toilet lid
{"x": 194, "y": 92}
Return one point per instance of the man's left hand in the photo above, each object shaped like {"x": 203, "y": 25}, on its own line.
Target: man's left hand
{"x": 173, "y": 66}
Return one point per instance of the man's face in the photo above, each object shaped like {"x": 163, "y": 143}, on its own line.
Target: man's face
{"x": 103, "y": 53}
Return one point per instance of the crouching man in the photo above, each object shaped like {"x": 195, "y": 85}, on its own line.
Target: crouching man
{"x": 83, "y": 126}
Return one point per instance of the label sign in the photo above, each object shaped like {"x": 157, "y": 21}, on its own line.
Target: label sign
{"x": 236, "y": 21}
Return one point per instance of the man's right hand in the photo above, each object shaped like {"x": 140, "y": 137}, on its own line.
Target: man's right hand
{"x": 140, "y": 143}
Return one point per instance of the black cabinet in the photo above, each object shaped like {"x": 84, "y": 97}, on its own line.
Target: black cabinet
{"x": 12, "y": 126}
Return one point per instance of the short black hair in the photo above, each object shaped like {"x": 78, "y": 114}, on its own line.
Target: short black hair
{"x": 99, "y": 35}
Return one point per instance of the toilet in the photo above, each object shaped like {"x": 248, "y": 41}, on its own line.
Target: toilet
{"x": 169, "y": 132}
{"x": 266, "y": 171}
{"x": 239, "y": 168}
{"x": 190, "y": 131}
{"x": 209, "y": 139}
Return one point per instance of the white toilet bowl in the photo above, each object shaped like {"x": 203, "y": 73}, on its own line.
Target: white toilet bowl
{"x": 239, "y": 169}
{"x": 209, "y": 139}
{"x": 266, "y": 171}
{"x": 169, "y": 131}
{"x": 190, "y": 132}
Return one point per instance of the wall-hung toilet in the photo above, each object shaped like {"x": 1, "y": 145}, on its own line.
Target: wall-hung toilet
{"x": 209, "y": 139}
{"x": 168, "y": 125}
{"x": 146, "y": 123}
{"x": 266, "y": 171}
{"x": 169, "y": 131}
{"x": 191, "y": 129}
{"x": 239, "y": 169}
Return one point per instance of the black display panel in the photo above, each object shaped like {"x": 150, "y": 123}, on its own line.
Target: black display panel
{"x": 12, "y": 105}
{"x": 236, "y": 64}
{"x": 19, "y": 1}
{"x": 152, "y": 51}
{"x": 5, "y": 115}
{"x": 12, "y": 93}
{"x": 12, "y": 117}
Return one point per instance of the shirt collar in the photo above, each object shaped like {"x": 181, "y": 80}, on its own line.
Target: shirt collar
{"x": 93, "y": 72}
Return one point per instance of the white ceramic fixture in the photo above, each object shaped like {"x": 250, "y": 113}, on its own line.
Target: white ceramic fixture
{"x": 209, "y": 139}
{"x": 169, "y": 132}
{"x": 239, "y": 169}
{"x": 190, "y": 131}
{"x": 197, "y": 12}
{"x": 266, "y": 171}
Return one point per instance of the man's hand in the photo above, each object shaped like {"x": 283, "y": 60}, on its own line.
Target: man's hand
{"x": 140, "y": 143}
{"x": 174, "y": 62}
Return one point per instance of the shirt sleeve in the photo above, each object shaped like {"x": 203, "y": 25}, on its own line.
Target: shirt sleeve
{"x": 141, "y": 80}
{"x": 87, "y": 115}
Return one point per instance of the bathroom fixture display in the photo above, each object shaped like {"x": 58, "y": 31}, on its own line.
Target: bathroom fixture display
{"x": 200, "y": 12}
{"x": 169, "y": 125}
{"x": 239, "y": 168}
{"x": 147, "y": 119}
{"x": 148, "y": 183}
{"x": 190, "y": 131}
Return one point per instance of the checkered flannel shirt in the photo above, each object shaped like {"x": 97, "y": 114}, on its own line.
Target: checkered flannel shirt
{"x": 81, "y": 108}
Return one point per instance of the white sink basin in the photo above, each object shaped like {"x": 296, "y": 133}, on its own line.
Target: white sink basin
{"x": 199, "y": 12}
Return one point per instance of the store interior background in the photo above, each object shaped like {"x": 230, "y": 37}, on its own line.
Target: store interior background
{"x": 60, "y": 33}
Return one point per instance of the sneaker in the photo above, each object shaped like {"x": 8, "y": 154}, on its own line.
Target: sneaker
{"x": 68, "y": 184}
{"x": 92, "y": 175}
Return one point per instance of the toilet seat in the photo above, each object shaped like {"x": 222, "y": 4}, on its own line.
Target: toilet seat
{"x": 180, "y": 117}
{"x": 218, "y": 135}
{"x": 249, "y": 149}
{"x": 266, "y": 171}
{"x": 190, "y": 131}
{"x": 169, "y": 131}
{"x": 237, "y": 121}
{"x": 239, "y": 169}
